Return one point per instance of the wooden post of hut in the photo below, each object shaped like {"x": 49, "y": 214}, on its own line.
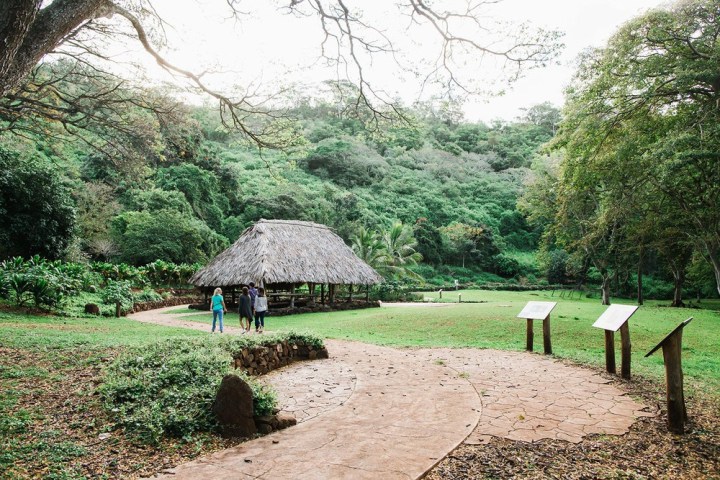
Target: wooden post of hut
{"x": 367, "y": 293}
{"x": 322, "y": 293}
{"x": 292, "y": 296}
{"x": 672, "y": 349}
{"x": 311, "y": 289}
{"x": 350, "y": 294}
{"x": 332, "y": 291}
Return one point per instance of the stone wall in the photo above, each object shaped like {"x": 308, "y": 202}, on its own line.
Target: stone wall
{"x": 260, "y": 360}
{"x": 168, "y": 302}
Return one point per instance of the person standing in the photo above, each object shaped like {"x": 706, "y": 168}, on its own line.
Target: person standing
{"x": 245, "y": 307}
{"x": 261, "y": 308}
{"x": 218, "y": 308}
{"x": 253, "y": 295}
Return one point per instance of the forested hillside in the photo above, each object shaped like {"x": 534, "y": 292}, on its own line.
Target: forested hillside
{"x": 176, "y": 184}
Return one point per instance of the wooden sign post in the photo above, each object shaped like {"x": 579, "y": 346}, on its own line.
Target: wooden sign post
{"x": 538, "y": 311}
{"x": 613, "y": 319}
{"x": 672, "y": 349}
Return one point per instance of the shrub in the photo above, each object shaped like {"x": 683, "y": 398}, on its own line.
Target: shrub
{"x": 36, "y": 279}
{"x": 166, "y": 389}
{"x": 118, "y": 292}
{"x": 394, "y": 292}
{"x": 147, "y": 295}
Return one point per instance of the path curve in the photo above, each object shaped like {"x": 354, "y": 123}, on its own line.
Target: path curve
{"x": 380, "y": 412}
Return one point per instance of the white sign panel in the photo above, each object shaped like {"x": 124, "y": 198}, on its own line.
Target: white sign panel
{"x": 537, "y": 310}
{"x": 615, "y": 315}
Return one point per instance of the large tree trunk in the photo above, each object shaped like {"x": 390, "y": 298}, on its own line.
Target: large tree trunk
{"x": 605, "y": 288}
{"x": 715, "y": 260}
{"x": 678, "y": 281}
{"x": 640, "y": 297}
{"x": 28, "y": 33}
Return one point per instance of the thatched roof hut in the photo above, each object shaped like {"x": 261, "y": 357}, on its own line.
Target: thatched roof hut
{"x": 286, "y": 252}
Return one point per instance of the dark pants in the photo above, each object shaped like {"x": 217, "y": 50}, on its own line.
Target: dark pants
{"x": 260, "y": 319}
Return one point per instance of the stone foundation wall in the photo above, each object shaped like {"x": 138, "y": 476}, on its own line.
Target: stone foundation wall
{"x": 263, "y": 359}
{"x": 168, "y": 302}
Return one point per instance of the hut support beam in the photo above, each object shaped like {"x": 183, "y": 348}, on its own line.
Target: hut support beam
{"x": 322, "y": 293}
{"x": 351, "y": 292}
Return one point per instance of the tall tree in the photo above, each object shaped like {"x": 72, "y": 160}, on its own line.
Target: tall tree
{"x": 642, "y": 119}
{"x": 36, "y": 211}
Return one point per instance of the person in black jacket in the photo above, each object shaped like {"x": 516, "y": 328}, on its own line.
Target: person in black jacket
{"x": 245, "y": 304}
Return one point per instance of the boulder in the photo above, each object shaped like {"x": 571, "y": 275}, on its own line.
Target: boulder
{"x": 233, "y": 407}
{"x": 285, "y": 420}
{"x": 92, "y": 309}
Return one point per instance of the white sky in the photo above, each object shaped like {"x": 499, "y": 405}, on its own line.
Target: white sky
{"x": 267, "y": 49}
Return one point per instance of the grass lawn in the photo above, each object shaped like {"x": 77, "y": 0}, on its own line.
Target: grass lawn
{"x": 493, "y": 324}
{"x": 49, "y": 414}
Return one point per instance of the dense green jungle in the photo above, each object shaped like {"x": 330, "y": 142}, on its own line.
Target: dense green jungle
{"x": 160, "y": 180}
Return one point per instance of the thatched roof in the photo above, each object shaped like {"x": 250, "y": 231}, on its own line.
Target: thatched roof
{"x": 286, "y": 251}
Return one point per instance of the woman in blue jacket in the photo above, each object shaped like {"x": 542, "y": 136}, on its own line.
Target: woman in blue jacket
{"x": 218, "y": 308}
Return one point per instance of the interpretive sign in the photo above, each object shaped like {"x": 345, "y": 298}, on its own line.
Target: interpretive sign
{"x": 537, "y": 310}
{"x": 615, "y": 315}
{"x": 672, "y": 348}
{"x": 615, "y": 318}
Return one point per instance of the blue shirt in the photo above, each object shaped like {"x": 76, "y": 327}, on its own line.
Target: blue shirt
{"x": 217, "y": 302}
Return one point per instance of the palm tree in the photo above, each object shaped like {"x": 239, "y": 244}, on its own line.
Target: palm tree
{"x": 391, "y": 253}
{"x": 400, "y": 251}
{"x": 369, "y": 247}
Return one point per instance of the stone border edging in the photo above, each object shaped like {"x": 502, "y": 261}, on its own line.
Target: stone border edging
{"x": 261, "y": 359}
{"x": 168, "y": 302}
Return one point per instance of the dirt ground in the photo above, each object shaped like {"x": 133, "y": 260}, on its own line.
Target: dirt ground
{"x": 648, "y": 451}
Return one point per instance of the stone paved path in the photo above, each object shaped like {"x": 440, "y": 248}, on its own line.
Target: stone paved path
{"x": 380, "y": 412}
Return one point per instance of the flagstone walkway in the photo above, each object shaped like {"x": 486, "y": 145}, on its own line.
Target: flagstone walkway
{"x": 380, "y": 412}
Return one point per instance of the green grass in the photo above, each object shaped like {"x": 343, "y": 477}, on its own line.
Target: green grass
{"x": 493, "y": 324}
{"x": 49, "y": 332}
{"x": 179, "y": 310}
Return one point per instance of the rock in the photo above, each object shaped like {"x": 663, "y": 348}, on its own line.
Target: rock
{"x": 234, "y": 407}
{"x": 264, "y": 420}
{"x": 264, "y": 428}
{"x": 92, "y": 309}
{"x": 323, "y": 353}
{"x": 285, "y": 420}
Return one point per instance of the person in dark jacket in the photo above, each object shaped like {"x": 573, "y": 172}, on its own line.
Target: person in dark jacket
{"x": 245, "y": 304}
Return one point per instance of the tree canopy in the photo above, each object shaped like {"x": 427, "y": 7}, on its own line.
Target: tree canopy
{"x": 641, "y": 137}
